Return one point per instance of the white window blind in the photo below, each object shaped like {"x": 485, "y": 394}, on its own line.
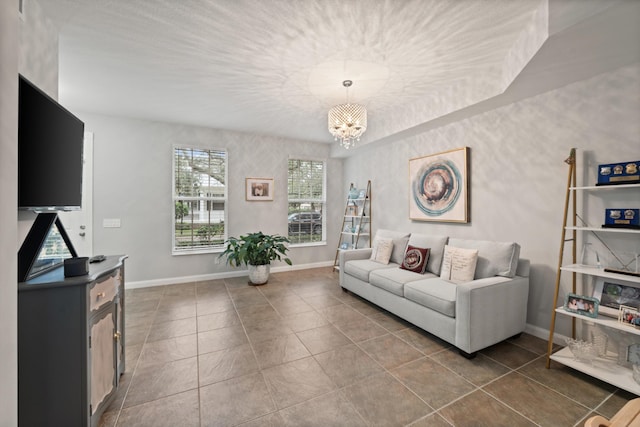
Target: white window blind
{"x": 306, "y": 196}
{"x": 199, "y": 199}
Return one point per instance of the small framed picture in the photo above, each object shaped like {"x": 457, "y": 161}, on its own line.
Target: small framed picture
{"x": 629, "y": 316}
{"x": 352, "y": 210}
{"x": 612, "y": 293}
{"x": 582, "y": 305}
{"x": 259, "y": 189}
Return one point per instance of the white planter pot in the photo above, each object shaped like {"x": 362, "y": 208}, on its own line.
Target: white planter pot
{"x": 259, "y": 274}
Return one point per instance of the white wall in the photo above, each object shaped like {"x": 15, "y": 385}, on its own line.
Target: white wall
{"x": 132, "y": 182}
{"x": 8, "y": 216}
{"x": 30, "y": 46}
{"x": 518, "y": 177}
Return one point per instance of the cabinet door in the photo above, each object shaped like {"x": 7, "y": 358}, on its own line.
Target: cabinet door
{"x": 102, "y": 357}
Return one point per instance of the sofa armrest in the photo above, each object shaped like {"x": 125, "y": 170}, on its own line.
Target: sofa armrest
{"x": 490, "y": 310}
{"x": 351, "y": 254}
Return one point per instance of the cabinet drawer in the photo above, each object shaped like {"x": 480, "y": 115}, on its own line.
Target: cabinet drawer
{"x": 104, "y": 291}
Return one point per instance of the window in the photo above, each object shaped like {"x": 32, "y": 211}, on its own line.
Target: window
{"x": 199, "y": 199}
{"x": 306, "y": 185}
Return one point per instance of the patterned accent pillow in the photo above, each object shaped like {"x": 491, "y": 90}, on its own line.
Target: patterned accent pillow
{"x": 381, "y": 251}
{"x": 459, "y": 264}
{"x": 415, "y": 259}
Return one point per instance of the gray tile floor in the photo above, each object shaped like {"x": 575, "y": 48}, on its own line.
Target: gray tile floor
{"x": 299, "y": 351}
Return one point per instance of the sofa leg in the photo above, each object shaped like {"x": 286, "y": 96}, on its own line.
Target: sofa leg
{"x": 344, "y": 289}
{"x": 468, "y": 355}
{"x": 516, "y": 336}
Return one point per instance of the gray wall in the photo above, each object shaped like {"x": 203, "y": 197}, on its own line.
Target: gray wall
{"x": 518, "y": 177}
{"x": 132, "y": 182}
{"x": 8, "y": 191}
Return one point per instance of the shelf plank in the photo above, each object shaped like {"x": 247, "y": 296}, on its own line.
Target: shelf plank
{"x": 605, "y": 230}
{"x": 606, "y": 187}
{"x": 593, "y": 270}
{"x": 608, "y": 322}
{"x": 605, "y": 369}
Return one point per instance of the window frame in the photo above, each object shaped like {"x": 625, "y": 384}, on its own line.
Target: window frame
{"x": 323, "y": 201}
{"x": 206, "y": 199}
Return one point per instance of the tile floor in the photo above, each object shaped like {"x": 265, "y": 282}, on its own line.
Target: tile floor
{"x": 299, "y": 351}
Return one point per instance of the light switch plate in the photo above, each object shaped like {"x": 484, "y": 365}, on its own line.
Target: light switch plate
{"x": 111, "y": 223}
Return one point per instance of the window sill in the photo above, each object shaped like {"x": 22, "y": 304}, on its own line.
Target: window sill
{"x": 197, "y": 251}
{"x": 304, "y": 245}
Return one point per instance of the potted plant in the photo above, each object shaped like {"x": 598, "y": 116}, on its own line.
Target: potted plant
{"x": 256, "y": 251}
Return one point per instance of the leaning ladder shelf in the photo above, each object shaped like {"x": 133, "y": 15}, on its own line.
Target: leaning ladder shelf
{"x": 355, "y": 231}
{"x": 620, "y": 377}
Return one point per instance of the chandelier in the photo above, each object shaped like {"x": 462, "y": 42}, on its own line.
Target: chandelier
{"x": 347, "y": 122}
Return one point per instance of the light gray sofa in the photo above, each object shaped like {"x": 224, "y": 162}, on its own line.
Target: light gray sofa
{"x": 472, "y": 315}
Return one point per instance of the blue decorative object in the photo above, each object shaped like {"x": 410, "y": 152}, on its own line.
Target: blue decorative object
{"x": 622, "y": 218}
{"x": 619, "y": 173}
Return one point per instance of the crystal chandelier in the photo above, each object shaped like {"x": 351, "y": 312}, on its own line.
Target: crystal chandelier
{"x": 347, "y": 122}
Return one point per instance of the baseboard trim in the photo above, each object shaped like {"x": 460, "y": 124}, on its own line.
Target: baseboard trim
{"x": 542, "y": 333}
{"x": 215, "y": 276}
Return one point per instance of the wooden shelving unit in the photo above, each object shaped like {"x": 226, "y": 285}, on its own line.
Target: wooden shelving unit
{"x": 604, "y": 368}
{"x": 355, "y": 231}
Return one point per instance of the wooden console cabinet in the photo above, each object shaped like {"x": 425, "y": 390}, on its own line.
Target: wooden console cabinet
{"x": 70, "y": 345}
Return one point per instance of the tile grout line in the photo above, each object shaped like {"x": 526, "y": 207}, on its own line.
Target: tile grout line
{"x": 342, "y": 302}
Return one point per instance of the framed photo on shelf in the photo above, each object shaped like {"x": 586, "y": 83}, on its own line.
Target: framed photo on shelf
{"x": 352, "y": 210}
{"x": 439, "y": 186}
{"x": 580, "y": 304}
{"x": 613, "y": 293}
{"x": 259, "y": 189}
{"x": 629, "y": 316}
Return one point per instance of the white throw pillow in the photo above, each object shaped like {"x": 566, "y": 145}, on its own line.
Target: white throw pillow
{"x": 381, "y": 251}
{"x": 458, "y": 264}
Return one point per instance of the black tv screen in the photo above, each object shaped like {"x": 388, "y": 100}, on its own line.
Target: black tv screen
{"x": 50, "y": 145}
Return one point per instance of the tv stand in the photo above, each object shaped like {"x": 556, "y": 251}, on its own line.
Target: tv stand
{"x": 70, "y": 345}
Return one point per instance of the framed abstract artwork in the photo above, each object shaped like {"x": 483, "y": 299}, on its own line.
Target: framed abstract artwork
{"x": 439, "y": 187}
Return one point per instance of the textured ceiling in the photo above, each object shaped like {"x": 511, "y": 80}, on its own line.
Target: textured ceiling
{"x": 275, "y": 67}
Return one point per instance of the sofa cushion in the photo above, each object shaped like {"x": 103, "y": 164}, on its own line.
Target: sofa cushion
{"x": 415, "y": 259}
{"x": 394, "y": 279}
{"x": 360, "y": 268}
{"x": 434, "y": 293}
{"x": 400, "y": 240}
{"x": 494, "y": 258}
{"x": 381, "y": 251}
{"x": 458, "y": 264}
{"x": 436, "y": 244}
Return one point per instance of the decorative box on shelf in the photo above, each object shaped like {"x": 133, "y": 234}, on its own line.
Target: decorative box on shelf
{"x": 622, "y": 218}
{"x": 619, "y": 173}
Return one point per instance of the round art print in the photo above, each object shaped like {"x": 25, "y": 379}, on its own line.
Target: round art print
{"x": 412, "y": 259}
{"x": 437, "y": 187}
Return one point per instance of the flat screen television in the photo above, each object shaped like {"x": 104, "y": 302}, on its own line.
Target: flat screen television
{"x": 50, "y": 146}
